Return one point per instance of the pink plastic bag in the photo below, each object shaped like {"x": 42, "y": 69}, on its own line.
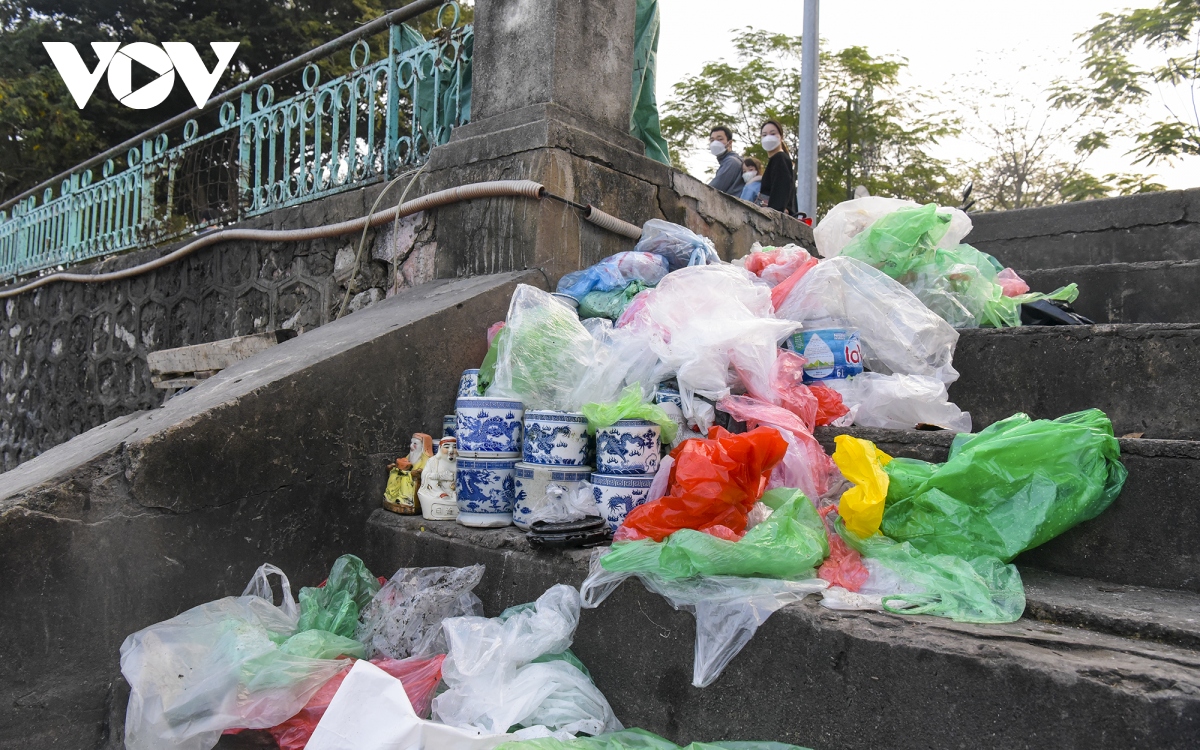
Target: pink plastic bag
{"x": 1012, "y": 284}
{"x": 420, "y": 678}
{"x": 805, "y": 464}
{"x": 844, "y": 566}
{"x": 788, "y": 389}
{"x": 494, "y": 330}
{"x": 784, "y": 288}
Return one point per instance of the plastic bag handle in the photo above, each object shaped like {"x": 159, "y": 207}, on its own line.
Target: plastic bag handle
{"x": 260, "y": 586}
{"x": 929, "y": 606}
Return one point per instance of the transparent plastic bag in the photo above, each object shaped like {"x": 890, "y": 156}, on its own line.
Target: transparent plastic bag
{"x": 631, "y": 405}
{"x": 848, "y": 219}
{"x": 728, "y": 609}
{"x": 679, "y": 245}
{"x": 404, "y": 619}
{"x": 335, "y": 605}
{"x": 242, "y": 664}
{"x": 494, "y": 679}
{"x": 898, "y": 333}
{"x": 711, "y": 327}
{"x": 636, "y": 739}
{"x": 609, "y": 305}
{"x": 900, "y": 402}
{"x": 1012, "y": 284}
{"x": 613, "y": 273}
{"x": 805, "y": 464}
{"x": 542, "y": 353}
{"x": 564, "y": 504}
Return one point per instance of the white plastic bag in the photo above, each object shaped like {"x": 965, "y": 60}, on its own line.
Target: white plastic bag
{"x": 900, "y": 402}
{"x": 728, "y": 609}
{"x": 711, "y": 327}
{"x": 218, "y": 666}
{"x": 882, "y": 581}
{"x": 563, "y": 504}
{"x": 848, "y": 218}
{"x": 898, "y": 333}
{"x": 492, "y": 684}
{"x": 404, "y": 619}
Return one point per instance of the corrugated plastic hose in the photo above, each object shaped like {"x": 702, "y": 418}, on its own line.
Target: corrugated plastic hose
{"x": 473, "y": 191}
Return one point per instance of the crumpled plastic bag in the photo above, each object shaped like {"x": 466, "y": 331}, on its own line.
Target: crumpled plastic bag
{"x": 900, "y": 402}
{"x": 1011, "y": 487}
{"x": 495, "y": 680}
{"x": 848, "y": 219}
{"x": 631, "y": 405}
{"x": 609, "y": 305}
{"x": 710, "y": 326}
{"x": 978, "y": 589}
{"x": 861, "y": 506}
{"x": 779, "y": 268}
{"x": 1012, "y": 284}
{"x": 613, "y": 273}
{"x": 897, "y": 332}
{"x": 844, "y": 568}
{"x": 788, "y": 544}
{"x": 805, "y": 464}
{"x": 335, "y": 605}
{"x": 728, "y": 609}
{"x": 714, "y": 482}
{"x": 235, "y": 663}
{"x": 563, "y": 504}
{"x": 542, "y": 353}
{"x": 637, "y": 739}
{"x": 420, "y": 678}
{"x": 679, "y": 245}
{"x": 404, "y": 619}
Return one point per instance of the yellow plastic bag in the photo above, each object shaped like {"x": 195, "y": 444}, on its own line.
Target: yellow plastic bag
{"x": 862, "y": 463}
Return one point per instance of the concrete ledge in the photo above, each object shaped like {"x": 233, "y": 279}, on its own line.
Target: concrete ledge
{"x": 1145, "y": 377}
{"x": 1154, "y": 226}
{"x": 1162, "y": 291}
{"x": 840, "y": 680}
{"x": 280, "y": 458}
{"x": 1147, "y": 537}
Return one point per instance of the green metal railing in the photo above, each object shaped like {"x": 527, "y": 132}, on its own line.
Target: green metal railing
{"x": 258, "y": 154}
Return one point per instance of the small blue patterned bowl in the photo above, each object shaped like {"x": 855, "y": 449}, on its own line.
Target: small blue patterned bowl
{"x": 555, "y": 438}
{"x": 617, "y": 495}
{"x": 631, "y": 446}
{"x": 488, "y": 427}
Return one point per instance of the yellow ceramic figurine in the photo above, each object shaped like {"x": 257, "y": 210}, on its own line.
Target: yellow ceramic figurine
{"x": 400, "y": 496}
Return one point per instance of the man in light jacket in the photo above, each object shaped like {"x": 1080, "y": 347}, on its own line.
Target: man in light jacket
{"x": 729, "y": 174}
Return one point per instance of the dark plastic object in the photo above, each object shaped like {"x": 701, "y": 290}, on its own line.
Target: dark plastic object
{"x": 588, "y": 532}
{"x": 1052, "y": 313}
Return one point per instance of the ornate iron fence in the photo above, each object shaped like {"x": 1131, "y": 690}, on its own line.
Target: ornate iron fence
{"x": 258, "y": 154}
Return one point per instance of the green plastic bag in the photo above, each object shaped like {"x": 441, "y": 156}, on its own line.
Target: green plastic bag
{"x": 335, "y": 606}
{"x": 637, "y": 739}
{"x": 629, "y": 406}
{"x": 980, "y": 589}
{"x": 959, "y": 283}
{"x": 1007, "y": 489}
{"x": 789, "y": 544}
{"x": 609, "y": 304}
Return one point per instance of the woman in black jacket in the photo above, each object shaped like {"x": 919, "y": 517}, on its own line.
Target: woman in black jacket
{"x": 779, "y": 180}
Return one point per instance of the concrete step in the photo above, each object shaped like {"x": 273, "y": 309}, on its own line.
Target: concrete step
{"x": 1160, "y": 291}
{"x": 1145, "y": 377}
{"x": 1097, "y": 672}
{"x": 1133, "y": 229}
{"x": 1149, "y": 536}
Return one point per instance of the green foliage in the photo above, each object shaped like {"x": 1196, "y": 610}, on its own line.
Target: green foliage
{"x": 1117, "y": 84}
{"x": 872, "y": 131}
{"x": 42, "y": 132}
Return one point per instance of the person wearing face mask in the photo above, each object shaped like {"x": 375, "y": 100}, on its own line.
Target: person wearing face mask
{"x": 729, "y": 174}
{"x": 778, "y": 189}
{"x": 752, "y": 176}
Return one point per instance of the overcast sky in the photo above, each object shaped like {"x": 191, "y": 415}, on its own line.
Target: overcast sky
{"x": 1016, "y": 45}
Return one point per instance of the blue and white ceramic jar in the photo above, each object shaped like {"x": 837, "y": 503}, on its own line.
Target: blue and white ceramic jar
{"x": 617, "y": 495}
{"x": 486, "y": 489}
{"x": 488, "y": 427}
{"x": 468, "y": 384}
{"x": 448, "y": 426}
{"x": 631, "y": 446}
{"x": 555, "y": 438}
{"x": 533, "y": 481}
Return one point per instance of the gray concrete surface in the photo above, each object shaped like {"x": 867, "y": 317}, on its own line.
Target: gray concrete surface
{"x": 1160, "y": 291}
{"x": 853, "y": 680}
{"x": 280, "y": 458}
{"x": 1145, "y": 377}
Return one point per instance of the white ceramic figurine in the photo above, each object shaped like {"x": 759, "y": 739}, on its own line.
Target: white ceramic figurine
{"x": 439, "y": 492}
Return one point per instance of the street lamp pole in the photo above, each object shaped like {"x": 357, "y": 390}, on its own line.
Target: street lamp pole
{"x": 806, "y": 159}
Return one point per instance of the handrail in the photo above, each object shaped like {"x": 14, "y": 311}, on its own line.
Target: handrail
{"x": 413, "y": 9}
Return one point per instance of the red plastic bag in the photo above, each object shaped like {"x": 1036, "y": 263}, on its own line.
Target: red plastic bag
{"x": 805, "y": 465}
{"x": 829, "y": 404}
{"x": 420, "y": 678}
{"x": 844, "y": 566}
{"x": 714, "y": 482}
{"x": 784, "y": 288}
